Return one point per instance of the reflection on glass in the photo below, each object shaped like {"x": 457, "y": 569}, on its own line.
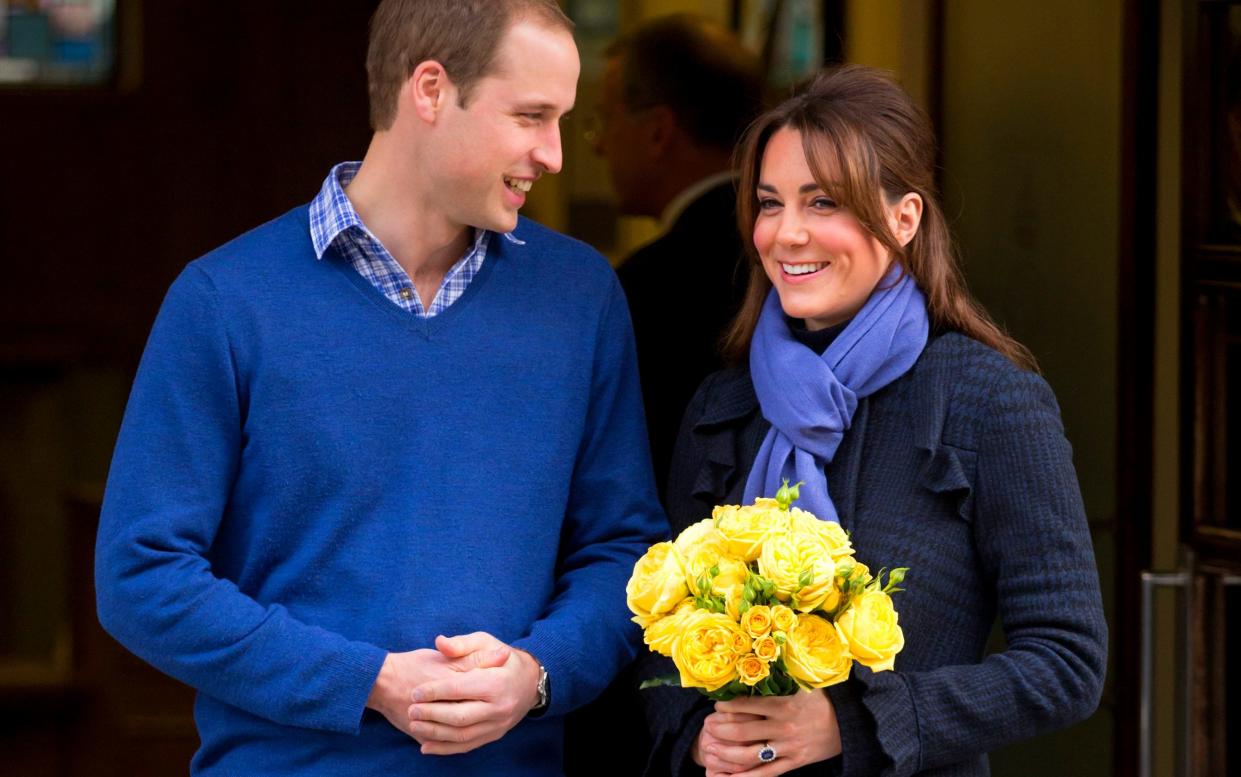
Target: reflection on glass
{"x": 56, "y": 42}
{"x": 794, "y": 37}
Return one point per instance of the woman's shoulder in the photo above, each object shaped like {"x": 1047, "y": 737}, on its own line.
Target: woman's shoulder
{"x": 723, "y": 397}
{"x": 972, "y": 387}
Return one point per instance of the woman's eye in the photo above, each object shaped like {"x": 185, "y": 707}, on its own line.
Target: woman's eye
{"x": 767, "y": 203}
{"x": 824, "y": 202}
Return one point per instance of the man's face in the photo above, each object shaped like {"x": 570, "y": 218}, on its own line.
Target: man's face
{"x": 619, "y": 138}
{"x": 488, "y": 154}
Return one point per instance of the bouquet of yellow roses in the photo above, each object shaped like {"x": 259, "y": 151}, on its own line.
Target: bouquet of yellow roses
{"x": 762, "y": 600}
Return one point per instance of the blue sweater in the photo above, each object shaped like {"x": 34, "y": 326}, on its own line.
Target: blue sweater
{"x": 308, "y": 477}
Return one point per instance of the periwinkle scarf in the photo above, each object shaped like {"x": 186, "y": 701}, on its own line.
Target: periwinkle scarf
{"x": 810, "y": 399}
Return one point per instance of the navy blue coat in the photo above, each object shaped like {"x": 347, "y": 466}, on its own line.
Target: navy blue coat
{"x": 960, "y": 471}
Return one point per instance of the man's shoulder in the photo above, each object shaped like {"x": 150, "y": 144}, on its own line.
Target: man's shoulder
{"x": 269, "y": 247}
{"x": 552, "y": 252}
{"x": 545, "y": 239}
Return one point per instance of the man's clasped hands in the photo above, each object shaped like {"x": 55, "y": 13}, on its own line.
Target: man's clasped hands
{"x": 468, "y": 691}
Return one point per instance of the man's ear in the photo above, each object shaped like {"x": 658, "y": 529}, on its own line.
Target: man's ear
{"x": 905, "y": 217}
{"x": 428, "y": 90}
{"x": 661, "y": 129}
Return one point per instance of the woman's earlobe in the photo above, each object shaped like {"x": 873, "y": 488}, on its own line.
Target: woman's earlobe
{"x": 908, "y": 217}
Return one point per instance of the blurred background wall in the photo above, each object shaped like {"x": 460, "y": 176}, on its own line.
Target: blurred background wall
{"x": 1082, "y": 150}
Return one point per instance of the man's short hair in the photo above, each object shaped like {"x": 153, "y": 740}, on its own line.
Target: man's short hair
{"x": 462, "y": 35}
{"x": 712, "y": 84}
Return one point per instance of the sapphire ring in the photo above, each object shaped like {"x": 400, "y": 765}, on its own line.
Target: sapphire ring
{"x": 766, "y": 754}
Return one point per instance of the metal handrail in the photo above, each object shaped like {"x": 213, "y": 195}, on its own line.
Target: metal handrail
{"x": 1151, "y": 581}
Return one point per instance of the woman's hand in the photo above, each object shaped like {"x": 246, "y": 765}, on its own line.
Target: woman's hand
{"x": 707, "y": 745}
{"x": 801, "y": 729}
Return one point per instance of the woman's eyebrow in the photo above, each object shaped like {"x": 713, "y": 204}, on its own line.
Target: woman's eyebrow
{"x": 805, "y": 188}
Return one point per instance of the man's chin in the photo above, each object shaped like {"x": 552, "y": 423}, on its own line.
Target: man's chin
{"x": 507, "y": 223}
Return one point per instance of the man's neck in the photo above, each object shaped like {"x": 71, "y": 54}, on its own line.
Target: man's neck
{"x": 420, "y": 238}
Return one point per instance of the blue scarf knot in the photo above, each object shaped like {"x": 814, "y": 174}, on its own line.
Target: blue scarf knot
{"x": 810, "y": 399}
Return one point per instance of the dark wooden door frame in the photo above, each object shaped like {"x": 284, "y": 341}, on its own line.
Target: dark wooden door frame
{"x": 1135, "y": 361}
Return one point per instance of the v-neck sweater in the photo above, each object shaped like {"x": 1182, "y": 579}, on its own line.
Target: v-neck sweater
{"x": 307, "y": 477}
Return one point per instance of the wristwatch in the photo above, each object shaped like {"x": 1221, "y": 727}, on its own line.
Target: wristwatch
{"x": 545, "y": 693}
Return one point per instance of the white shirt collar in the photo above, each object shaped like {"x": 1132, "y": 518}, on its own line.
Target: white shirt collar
{"x": 674, "y": 209}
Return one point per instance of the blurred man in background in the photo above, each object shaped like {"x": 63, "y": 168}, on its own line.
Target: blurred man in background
{"x": 676, "y": 94}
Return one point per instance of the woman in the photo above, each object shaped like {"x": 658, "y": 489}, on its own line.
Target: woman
{"x": 868, "y": 373}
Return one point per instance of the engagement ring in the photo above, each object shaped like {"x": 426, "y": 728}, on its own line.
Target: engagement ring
{"x": 766, "y": 754}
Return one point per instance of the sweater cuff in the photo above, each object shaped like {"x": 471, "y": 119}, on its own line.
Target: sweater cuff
{"x": 363, "y": 666}
{"x": 878, "y": 724}
{"x": 682, "y": 750}
{"x": 558, "y": 661}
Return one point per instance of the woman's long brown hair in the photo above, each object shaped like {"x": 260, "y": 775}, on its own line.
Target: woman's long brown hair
{"x": 855, "y": 122}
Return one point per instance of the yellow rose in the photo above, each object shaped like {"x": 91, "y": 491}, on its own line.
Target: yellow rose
{"x": 832, "y": 533}
{"x": 816, "y": 653}
{"x": 657, "y": 584}
{"x": 766, "y": 648}
{"x": 870, "y": 625}
{"x": 785, "y": 561}
{"x": 741, "y": 643}
{"x": 752, "y": 669}
{"x": 783, "y": 618}
{"x": 746, "y": 528}
{"x": 699, "y": 534}
{"x": 660, "y": 635}
{"x": 757, "y": 620}
{"x": 701, "y": 558}
{"x": 730, "y": 584}
{"x": 705, "y": 652}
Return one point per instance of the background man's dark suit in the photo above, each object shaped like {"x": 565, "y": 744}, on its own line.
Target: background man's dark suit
{"x": 683, "y": 289}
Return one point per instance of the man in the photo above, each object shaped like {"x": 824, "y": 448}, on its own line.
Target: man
{"x": 676, "y": 94}
{"x": 397, "y": 414}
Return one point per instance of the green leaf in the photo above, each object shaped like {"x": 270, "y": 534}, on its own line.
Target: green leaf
{"x": 670, "y": 680}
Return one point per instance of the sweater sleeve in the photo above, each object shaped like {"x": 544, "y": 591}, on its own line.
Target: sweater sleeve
{"x": 168, "y": 490}
{"x": 612, "y": 517}
{"x": 1034, "y": 543}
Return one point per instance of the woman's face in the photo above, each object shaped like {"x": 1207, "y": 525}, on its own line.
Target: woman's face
{"x": 821, "y": 261}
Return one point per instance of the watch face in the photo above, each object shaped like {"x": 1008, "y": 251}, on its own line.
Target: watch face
{"x": 544, "y": 689}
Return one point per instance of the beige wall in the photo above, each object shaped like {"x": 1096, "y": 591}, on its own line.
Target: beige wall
{"x": 894, "y": 35}
{"x": 1031, "y": 137}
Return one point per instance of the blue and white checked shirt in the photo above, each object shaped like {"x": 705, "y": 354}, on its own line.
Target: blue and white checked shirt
{"x": 334, "y": 220}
